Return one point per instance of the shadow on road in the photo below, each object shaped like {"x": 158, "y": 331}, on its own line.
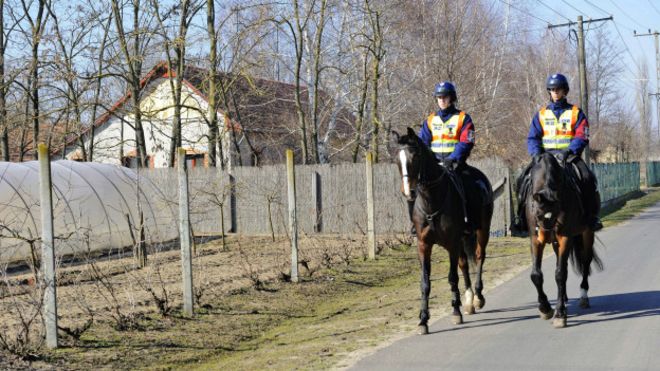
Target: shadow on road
{"x": 603, "y": 308}
{"x": 616, "y": 307}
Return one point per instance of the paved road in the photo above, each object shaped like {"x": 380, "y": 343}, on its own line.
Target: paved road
{"x": 621, "y": 330}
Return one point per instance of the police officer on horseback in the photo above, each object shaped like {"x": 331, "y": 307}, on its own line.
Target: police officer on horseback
{"x": 449, "y": 132}
{"x": 562, "y": 129}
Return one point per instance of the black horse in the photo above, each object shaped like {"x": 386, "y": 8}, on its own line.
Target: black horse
{"x": 555, "y": 215}
{"x": 438, "y": 217}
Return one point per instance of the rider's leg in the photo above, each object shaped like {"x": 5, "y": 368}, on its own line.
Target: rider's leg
{"x": 591, "y": 197}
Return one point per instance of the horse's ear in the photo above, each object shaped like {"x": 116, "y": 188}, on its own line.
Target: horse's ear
{"x": 396, "y": 136}
{"x": 411, "y": 132}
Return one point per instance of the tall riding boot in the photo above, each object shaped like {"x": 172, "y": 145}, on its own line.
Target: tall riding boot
{"x": 595, "y": 222}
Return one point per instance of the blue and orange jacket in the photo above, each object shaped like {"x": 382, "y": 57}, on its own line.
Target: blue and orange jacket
{"x": 580, "y": 130}
{"x": 465, "y": 137}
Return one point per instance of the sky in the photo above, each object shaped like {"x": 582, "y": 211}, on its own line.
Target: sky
{"x": 629, "y": 15}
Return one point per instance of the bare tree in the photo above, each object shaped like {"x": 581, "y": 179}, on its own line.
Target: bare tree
{"x": 133, "y": 54}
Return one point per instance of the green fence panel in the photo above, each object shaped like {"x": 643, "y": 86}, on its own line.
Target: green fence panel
{"x": 653, "y": 173}
{"x": 616, "y": 180}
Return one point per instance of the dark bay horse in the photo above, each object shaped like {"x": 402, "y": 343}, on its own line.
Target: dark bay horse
{"x": 438, "y": 217}
{"x": 555, "y": 215}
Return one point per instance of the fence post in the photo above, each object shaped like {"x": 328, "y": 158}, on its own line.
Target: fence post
{"x": 232, "y": 204}
{"x": 316, "y": 202}
{"x": 293, "y": 222}
{"x": 184, "y": 234}
{"x": 47, "y": 247}
{"x": 371, "y": 233}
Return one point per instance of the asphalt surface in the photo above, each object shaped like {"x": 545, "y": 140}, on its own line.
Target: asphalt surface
{"x": 621, "y": 330}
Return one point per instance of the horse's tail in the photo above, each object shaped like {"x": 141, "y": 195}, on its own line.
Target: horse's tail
{"x": 582, "y": 257}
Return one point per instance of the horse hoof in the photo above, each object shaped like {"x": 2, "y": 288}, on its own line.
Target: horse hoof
{"x": 423, "y": 329}
{"x": 584, "y": 303}
{"x": 457, "y": 319}
{"x": 546, "y": 315}
{"x": 468, "y": 309}
{"x": 479, "y": 303}
{"x": 559, "y": 322}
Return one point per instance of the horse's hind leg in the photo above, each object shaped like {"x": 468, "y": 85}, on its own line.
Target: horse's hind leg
{"x": 457, "y": 317}
{"x": 480, "y": 257}
{"x": 587, "y": 256}
{"x": 424, "y": 252}
{"x": 537, "y": 276}
{"x": 468, "y": 306}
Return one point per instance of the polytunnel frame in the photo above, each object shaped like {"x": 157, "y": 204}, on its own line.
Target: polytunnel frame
{"x": 132, "y": 175}
{"x": 107, "y": 217}
{"x": 27, "y": 208}
{"x": 128, "y": 207}
{"x": 56, "y": 188}
{"x": 31, "y": 168}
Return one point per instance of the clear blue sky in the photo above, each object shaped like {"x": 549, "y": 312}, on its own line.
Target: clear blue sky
{"x": 629, "y": 15}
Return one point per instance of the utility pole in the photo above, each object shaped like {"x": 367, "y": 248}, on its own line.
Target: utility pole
{"x": 582, "y": 67}
{"x": 657, "y": 74}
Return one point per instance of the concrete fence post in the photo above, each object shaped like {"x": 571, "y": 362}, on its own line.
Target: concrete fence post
{"x": 184, "y": 234}
{"x": 47, "y": 247}
{"x": 371, "y": 233}
{"x": 293, "y": 222}
{"x": 316, "y": 202}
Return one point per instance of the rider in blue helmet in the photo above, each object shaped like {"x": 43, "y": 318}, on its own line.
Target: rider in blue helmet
{"x": 449, "y": 132}
{"x": 562, "y": 129}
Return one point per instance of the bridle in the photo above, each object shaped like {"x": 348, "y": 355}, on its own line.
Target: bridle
{"x": 422, "y": 182}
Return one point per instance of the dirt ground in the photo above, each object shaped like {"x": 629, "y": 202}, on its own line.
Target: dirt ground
{"x": 117, "y": 293}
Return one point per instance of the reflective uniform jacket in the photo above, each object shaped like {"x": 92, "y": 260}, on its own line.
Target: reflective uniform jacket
{"x": 556, "y": 127}
{"x": 449, "y": 133}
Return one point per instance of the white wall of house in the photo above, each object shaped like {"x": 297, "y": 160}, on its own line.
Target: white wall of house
{"x": 157, "y": 116}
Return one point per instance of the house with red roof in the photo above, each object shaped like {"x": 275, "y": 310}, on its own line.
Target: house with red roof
{"x": 257, "y": 122}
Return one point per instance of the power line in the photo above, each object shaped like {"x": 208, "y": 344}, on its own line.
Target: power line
{"x": 525, "y": 12}
{"x": 556, "y": 12}
{"x": 624, "y": 13}
{"x": 576, "y": 9}
{"x": 653, "y": 6}
{"x": 624, "y": 43}
{"x": 597, "y": 7}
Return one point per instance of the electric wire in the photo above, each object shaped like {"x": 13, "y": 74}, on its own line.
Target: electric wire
{"x": 525, "y": 12}
{"x": 556, "y": 12}
{"x": 574, "y": 8}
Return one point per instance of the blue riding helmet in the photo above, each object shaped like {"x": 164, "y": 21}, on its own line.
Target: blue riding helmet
{"x": 444, "y": 89}
{"x": 557, "y": 81}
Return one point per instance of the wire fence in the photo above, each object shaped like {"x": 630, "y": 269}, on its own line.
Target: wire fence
{"x": 616, "y": 180}
{"x": 652, "y": 173}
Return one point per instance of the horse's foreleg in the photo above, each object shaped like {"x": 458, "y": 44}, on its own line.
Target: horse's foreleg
{"x": 587, "y": 256}
{"x": 480, "y": 257}
{"x": 468, "y": 306}
{"x": 424, "y": 252}
{"x": 561, "y": 274}
{"x": 537, "y": 246}
{"x": 457, "y": 317}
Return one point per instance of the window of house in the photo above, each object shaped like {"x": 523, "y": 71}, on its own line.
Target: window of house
{"x": 132, "y": 162}
{"x": 194, "y": 160}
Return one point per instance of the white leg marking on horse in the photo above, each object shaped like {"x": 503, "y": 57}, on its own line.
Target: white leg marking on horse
{"x": 469, "y": 297}
{"x": 583, "y": 293}
{"x": 404, "y": 173}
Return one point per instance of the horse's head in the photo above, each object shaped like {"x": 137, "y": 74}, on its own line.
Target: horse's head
{"x": 547, "y": 180}
{"x": 410, "y": 152}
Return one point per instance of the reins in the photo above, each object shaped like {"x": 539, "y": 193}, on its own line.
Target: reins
{"x": 429, "y": 185}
